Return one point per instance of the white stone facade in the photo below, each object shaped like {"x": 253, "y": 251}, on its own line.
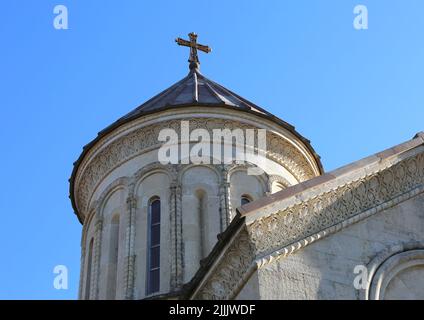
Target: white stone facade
{"x": 313, "y": 240}
{"x": 120, "y": 174}
{"x": 325, "y": 269}
{"x": 178, "y": 231}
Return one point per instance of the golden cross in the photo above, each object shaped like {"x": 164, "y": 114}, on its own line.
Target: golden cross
{"x": 194, "y": 46}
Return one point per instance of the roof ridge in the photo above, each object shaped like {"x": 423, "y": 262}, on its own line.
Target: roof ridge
{"x": 240, "y": 98}
{"x": 218, "y": 96}
{"x": 195, "y": 88}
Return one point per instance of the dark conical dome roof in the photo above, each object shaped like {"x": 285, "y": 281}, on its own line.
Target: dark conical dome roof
{"x": 194, "y": 90}
{"x": 197, "y": 90}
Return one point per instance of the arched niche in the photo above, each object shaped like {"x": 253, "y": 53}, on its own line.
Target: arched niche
{"x": 148, "y": 186}
{"x": 113, "y": 209}
{"x": 201, "y": 219}
{"x": 277, "y": 183}
{"x": 400, "y": 277}
{"x": 242, "y": 185}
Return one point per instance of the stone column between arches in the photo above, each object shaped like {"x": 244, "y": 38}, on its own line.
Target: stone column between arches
{"x": 129, "y": 247}
{"x": 95, "y": 271}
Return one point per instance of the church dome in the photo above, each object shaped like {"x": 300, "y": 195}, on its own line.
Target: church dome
{"x": 192, "y": 91}
{"x": 148, "y": 224}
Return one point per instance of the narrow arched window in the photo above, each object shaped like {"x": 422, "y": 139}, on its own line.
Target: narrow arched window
{"x": 245, "y": 200}
{"x": 153, "y": 259}
{"x": 88, "y": 275}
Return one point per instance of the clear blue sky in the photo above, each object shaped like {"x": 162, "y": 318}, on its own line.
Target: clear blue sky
{"x": 352, "y": 93}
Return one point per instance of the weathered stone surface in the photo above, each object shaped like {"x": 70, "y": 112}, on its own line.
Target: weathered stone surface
{"x": 325, "y": 269}
{"x": 198, "y": 201}
{"x": 303, "y": 236}
{"x": 314, "y": 243}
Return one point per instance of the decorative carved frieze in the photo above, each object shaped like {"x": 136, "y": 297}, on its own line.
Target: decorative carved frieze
{"x": 308, "y": 217}
{"x": 230, "y": 270}
{"x": 145, "y": 139}
{"x": 308, "y": 220}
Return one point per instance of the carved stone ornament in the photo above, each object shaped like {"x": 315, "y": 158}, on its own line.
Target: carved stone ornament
{"x": 368, "y": 194}
{"x": 309, "y": 220}
{"x": 142, "y": 140}
{"x": 231, "y": 269}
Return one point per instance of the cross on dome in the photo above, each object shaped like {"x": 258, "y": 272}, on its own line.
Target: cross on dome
{"x": 194, "y": 46}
